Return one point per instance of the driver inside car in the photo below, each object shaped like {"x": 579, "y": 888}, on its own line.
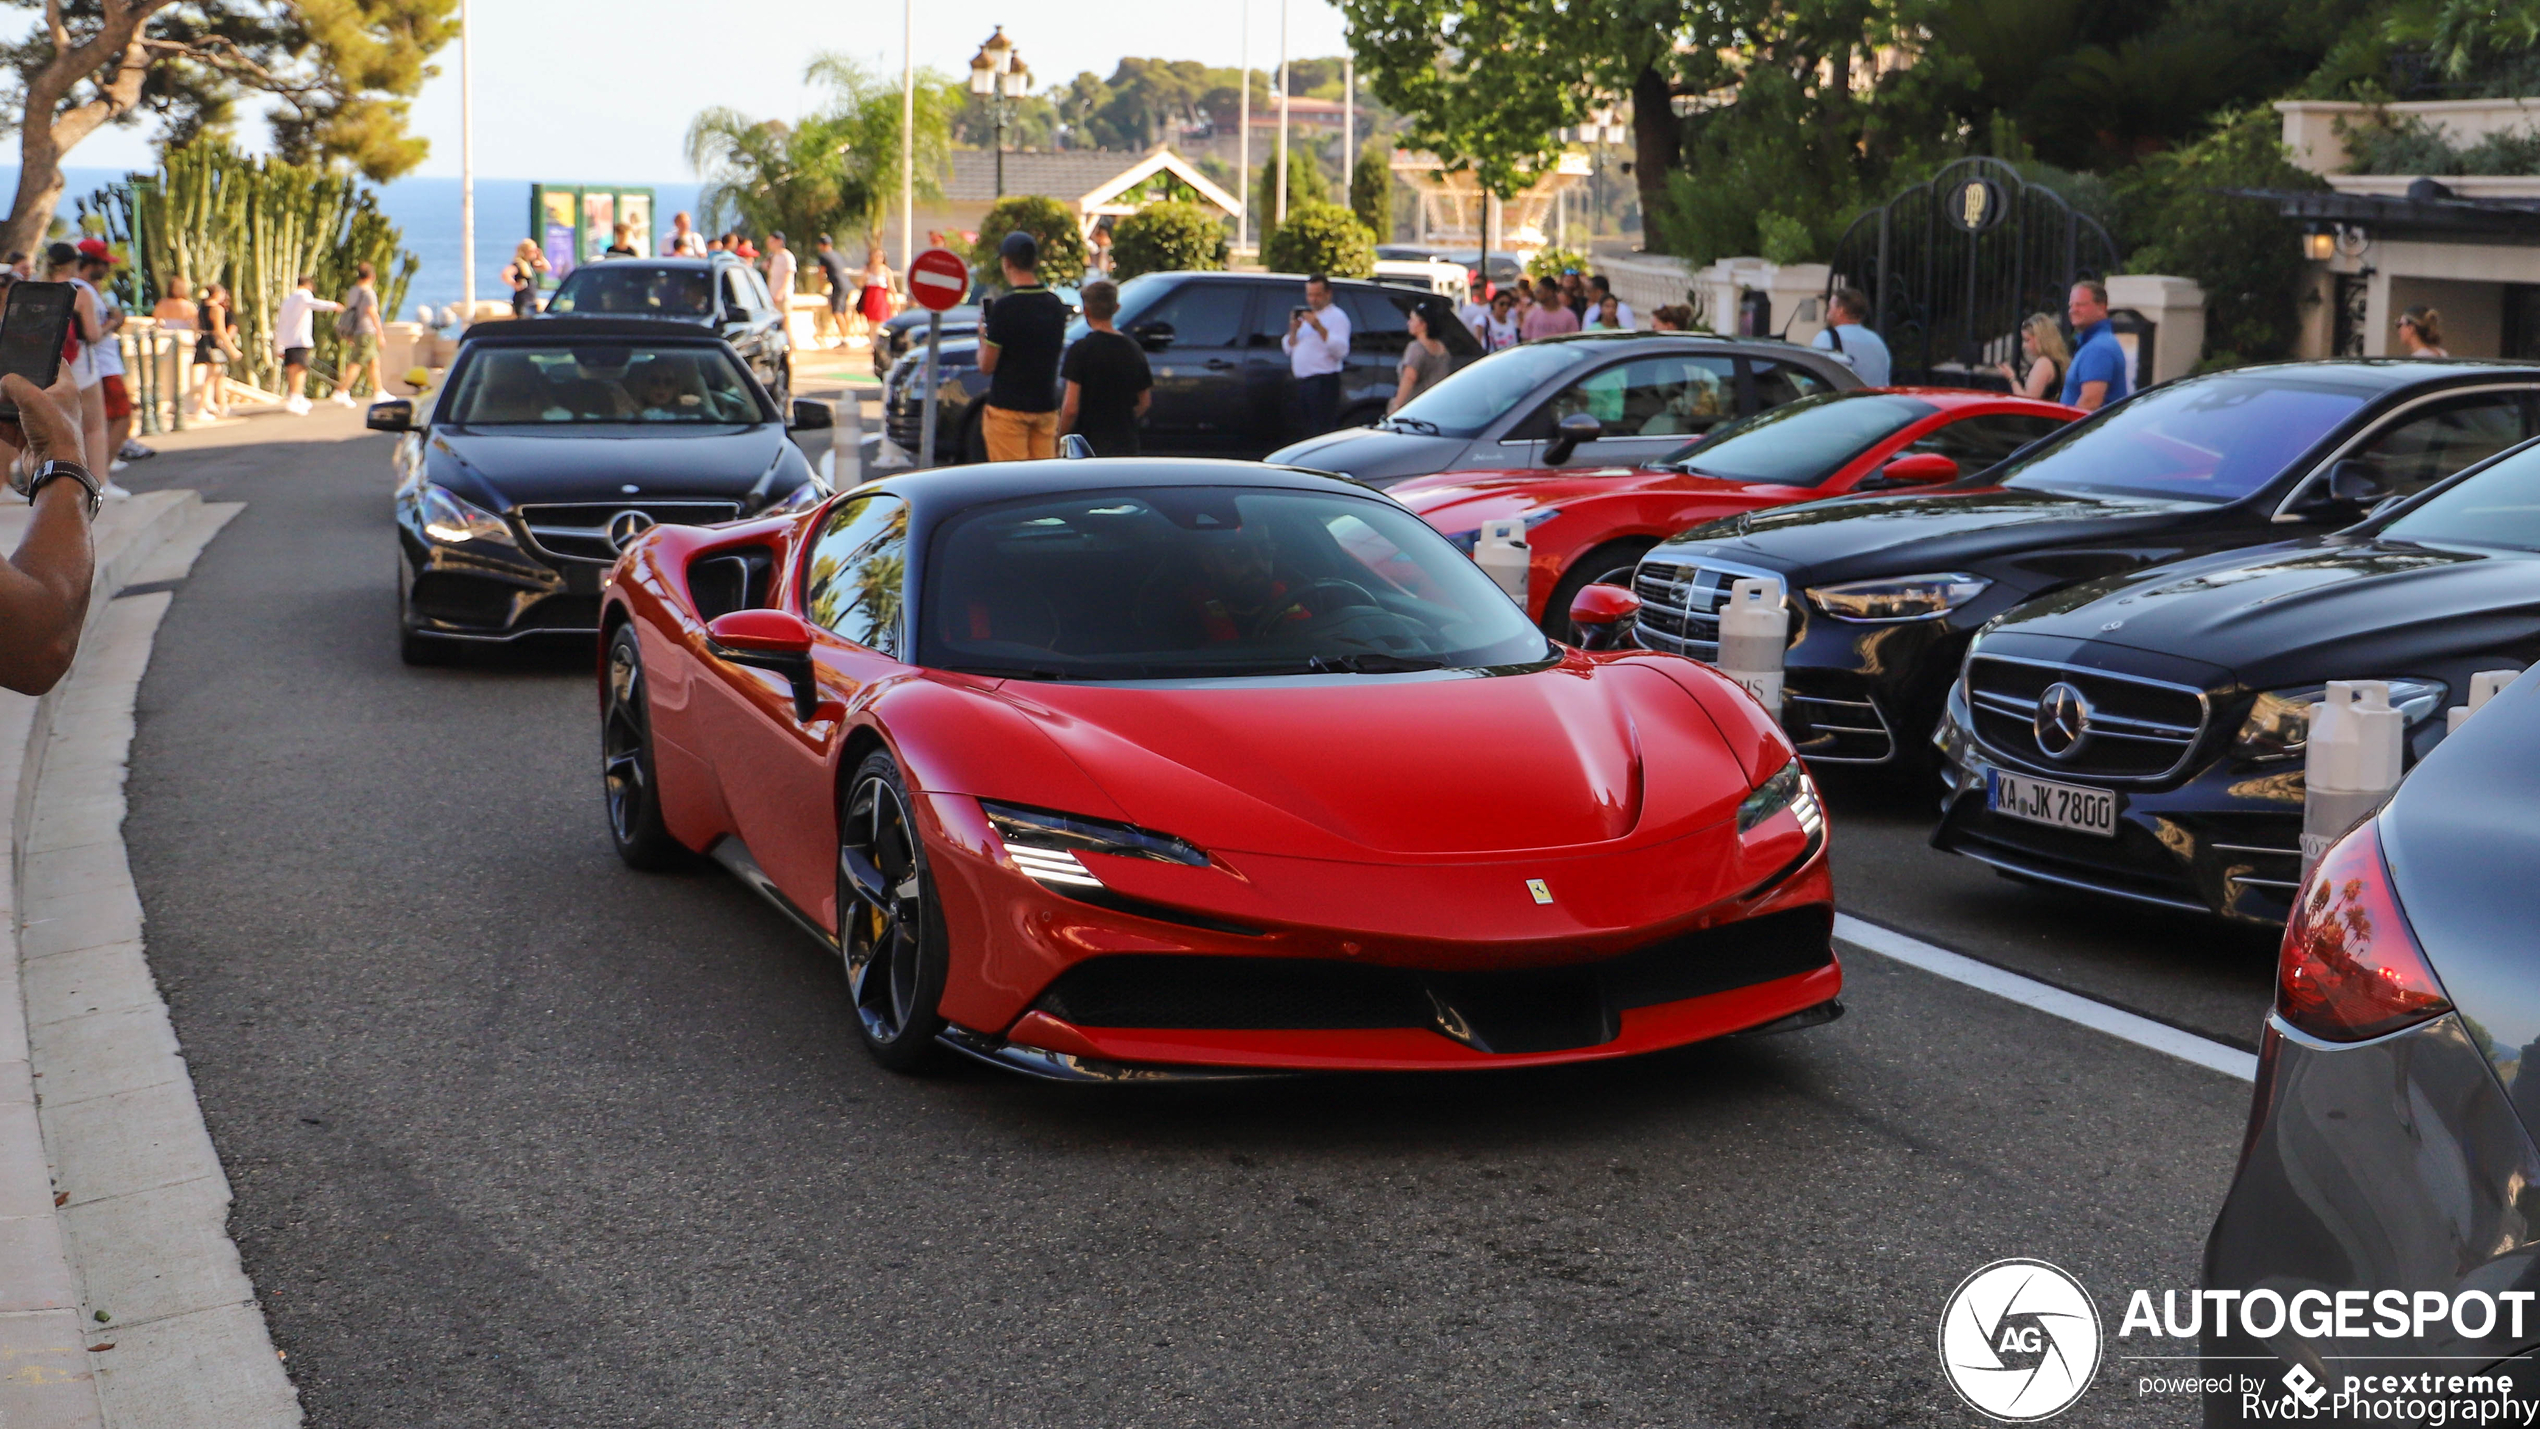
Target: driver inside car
{"x": 663, "y": 392}
{"x": 1236, "y": 594}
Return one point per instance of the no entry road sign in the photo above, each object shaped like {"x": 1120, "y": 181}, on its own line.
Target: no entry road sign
{"x": 937, "y": 279}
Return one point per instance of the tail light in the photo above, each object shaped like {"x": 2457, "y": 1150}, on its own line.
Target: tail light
{"x": 2350, "y": 969}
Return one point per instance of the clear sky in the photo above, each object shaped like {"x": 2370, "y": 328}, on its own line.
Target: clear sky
{"x": 569, "y": 90}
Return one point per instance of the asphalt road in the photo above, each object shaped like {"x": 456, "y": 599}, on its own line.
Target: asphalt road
{"x": 521, "y": 1137}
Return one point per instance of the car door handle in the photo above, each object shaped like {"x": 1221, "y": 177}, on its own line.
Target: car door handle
{"x": 1218, "y": 364}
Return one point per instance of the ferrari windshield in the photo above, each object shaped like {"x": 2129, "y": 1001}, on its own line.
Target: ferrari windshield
{"x": 601, "y": 382}
{"x": 2214, "y": 439}
{"x": 1468, "y": 400}
{"x": 1802, "y": 443}
{"x": 635, "y": 290}
{"x": 1190, "y": 582}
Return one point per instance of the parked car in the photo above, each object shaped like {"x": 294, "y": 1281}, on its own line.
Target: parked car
{"x": 718, "y": 292}
{"x": 1587, "y": 523}
{"x": 1885, "y": 591}
{"x": 1505, "y": 267}
{"x": 1499, "y": 413}
{"x": 1223, "y": 769}
{"x": 1447, "y": 280}
{"x": 2389, "y": 1160}
{"x": 1221, "y": 379}
{"x": 2173, "y": 772}
{"x": 907, "y": 330}
{"x": 553, "y": 443}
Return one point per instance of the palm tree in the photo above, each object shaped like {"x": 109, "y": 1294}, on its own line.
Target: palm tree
{"x": 834, "y": 172}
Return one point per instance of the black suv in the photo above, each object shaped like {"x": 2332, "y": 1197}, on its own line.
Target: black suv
{"x": 718, "y": 291}
{"x": 1885, "y": 591}
{"x": 1221, "y": 379}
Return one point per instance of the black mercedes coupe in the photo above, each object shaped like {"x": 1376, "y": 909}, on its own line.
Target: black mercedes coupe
{"x": 551, "y": 445}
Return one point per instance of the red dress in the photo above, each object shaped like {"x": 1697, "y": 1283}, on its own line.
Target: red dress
{"x": 877, "y": 303}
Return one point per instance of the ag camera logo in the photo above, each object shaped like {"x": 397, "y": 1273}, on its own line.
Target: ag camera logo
{"x": 2019, "y": 1341}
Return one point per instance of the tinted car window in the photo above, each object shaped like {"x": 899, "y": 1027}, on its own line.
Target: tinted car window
{"x": 1680, "y": 394}
{"x": 2434, "y": 441}
{"x": 1780, "y": 382}
{"x": 852, "y": 584}
{"x": 2498, "y": 507}
{"x": 1803, "y": 442}
{"x": 1376, "y": 325}
{"x": 624, "y": 288}
{"x": 1978, "y": 442}
{"x": 2214, "y": 439}
{"x": 600, "y": 382}
{"x": 1471, "y": 398}
{"x": 1200, "y": 314}
{"x": 736, "y": 289}
{"x": 1270, "y": 314}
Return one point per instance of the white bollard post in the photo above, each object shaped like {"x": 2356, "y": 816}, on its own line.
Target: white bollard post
{"x": 1503, "y": 555}
{"x": 2351, "y": 763}
{"x": 1754, "y": 633}
{"x": 2483, "y": 686}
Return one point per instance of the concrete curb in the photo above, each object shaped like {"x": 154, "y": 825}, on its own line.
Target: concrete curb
{"x": 112, "y": 1198}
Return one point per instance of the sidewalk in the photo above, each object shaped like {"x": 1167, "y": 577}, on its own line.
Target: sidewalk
{"x": 122, "y": 1299}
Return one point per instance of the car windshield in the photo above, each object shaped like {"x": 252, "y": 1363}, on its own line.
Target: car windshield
{"x": 1802, "y": 443}
{"x": 1194, "y": 582}
{"x": 1465, "y": 402}
{"x": 2499, "y": 507}
{"x": 2215, "y": 439}
{"x": 600, "y": 382}
{"x": 635, "y": 290}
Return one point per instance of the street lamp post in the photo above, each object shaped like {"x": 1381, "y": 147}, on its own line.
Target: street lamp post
{"x": 998, "y": 75}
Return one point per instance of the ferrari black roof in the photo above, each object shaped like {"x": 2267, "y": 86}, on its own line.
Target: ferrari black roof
{"x": 945, "y": 489}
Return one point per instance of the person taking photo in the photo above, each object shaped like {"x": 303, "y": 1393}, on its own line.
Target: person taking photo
{"x": 44, "y": 585}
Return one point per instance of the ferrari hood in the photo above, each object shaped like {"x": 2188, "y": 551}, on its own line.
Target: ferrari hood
{"x": 510, "y": 465}
{"x": 1463, "y": 500}
{"x": 1352, "y": 767}
{"x": 1848, "y": 537}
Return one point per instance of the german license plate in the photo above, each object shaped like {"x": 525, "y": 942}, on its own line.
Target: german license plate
{"x": 2062, "y": 806}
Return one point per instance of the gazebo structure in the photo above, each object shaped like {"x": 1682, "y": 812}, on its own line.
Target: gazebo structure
{"x": 1451, "y": 202}
{"x": 1094, "y": 184}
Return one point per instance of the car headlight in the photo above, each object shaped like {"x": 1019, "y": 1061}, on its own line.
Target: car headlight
{"x": 1470, "y": 541}
{"x": 1899, "y": 598}
{"x": 453, "y": 520}
{"x": 2279, "y": 724}
{"x": 801, "y": 498}
{"x": 1791, "y": 789}
{"x": 1044, "y": 844}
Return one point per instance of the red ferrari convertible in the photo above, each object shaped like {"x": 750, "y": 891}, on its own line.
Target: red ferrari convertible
{"x": 1593, "y": 524}
{"x": 1121, "y": 769}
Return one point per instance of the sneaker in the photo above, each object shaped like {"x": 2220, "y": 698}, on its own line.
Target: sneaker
{"x": 297, "y": 406}
{"x": 345, "y": 399}
{"x": 135, "y": 451}
{"x": 118, "y": 464}
{"x": 111, "y": 492}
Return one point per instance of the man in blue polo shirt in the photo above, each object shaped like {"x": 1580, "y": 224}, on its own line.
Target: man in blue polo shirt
{"x": 2097, "y": 375}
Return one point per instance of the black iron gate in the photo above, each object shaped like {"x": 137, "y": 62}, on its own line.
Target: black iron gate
{"x": 1954, "y": 265}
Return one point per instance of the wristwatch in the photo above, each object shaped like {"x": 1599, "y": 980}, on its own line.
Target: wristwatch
{"x": 59, "y": 470}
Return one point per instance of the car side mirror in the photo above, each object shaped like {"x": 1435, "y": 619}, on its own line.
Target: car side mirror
{"x": 735, "y": 313}
{"x": 776, "y": 640}
{"x": 1914, "y": 469}
{"x": 1154, "y": 337}
{"x": 811, "y": 416}
{"x": 394, "y": 415}
{"x": 1600, "y": 612}
{"x": 1575, "y": 429}
{"x": 2357, "y": 481}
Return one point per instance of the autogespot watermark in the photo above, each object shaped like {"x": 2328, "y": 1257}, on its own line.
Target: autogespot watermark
{"x": 2021, "y": 1341}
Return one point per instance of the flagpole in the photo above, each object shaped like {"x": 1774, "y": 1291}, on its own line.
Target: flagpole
{"x": 1279, "y": 200}
{"x": 908, "y": 129}
{"x": 467, "y": 175}
{"x": 1243, "y": 136}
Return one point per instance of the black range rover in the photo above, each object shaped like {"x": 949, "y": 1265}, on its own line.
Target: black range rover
{"x": 2145, "y": 736}
{"x": 1887, "y": 590}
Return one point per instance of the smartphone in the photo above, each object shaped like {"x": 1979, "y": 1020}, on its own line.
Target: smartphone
{"x": 1298, "y": 312}
{"x": 33, "y": 329}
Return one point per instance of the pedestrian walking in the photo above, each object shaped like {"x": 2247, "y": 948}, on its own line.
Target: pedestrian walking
{"x": 1606, "y": 316}
{"x": 1317, "y": 345}
{"x": 875, "y": 302}
{"x": 358, "y": 324}
{"x": 2042, "y": 346}
{"x": 1108, "y": 385}
{"x": 1601, "y": 288}
{"x": 842, "y": 287}
{"x": 521, "y": 276}
{"x": 44, "y": 585}
{"x": 1424, "y": 361}
{"x": 214, "y": 350}
{"x": 1551, "y": 316}
{"x": 780, "y": 273}
{"x": 96, "y": 263}
{"x": 1499, "y": 330}
{"x": 684, "y": 242}
{"x": 61, "y": 262}
{"x": 2097, "y": 376}
{"x": 1849, "y": 340}
{"x": 2421, "y": 332}
{"x": 1020, "y": 337}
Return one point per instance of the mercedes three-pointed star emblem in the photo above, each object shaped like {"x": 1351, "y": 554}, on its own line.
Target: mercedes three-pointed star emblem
{"x": 2062, "y": 722}
{"x": 625, "y": 526}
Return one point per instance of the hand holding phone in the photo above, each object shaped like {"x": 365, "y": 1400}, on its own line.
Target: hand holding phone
{"x": 34, "y": 329}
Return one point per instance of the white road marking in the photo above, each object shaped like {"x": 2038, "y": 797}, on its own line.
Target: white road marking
{"x": 2053, "y": 1001}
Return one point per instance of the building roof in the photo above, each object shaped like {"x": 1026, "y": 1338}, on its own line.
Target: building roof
{"x": 2430, "y": 210}
{"x": 1084, "y": 179}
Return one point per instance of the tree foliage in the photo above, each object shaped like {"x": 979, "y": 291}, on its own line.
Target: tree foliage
{"x": 836, "y": 171}
{"x": 1321, "y": 238}
{"x": 2174, "y": 215}
{"x": 1371, "y": 191}
{"x": 1047, "y": 220}
{"x": 1306, "y": 185}
{"x": 1169, "y": 237}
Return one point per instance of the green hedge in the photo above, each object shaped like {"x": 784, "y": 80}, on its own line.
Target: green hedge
{"x": 1062, "y": 244}
{"x": 1321, "y": 238}
{"x": 1168, "y": 237}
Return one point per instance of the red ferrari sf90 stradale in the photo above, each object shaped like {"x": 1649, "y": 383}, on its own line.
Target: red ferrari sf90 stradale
{"x": 1119, "y": 769}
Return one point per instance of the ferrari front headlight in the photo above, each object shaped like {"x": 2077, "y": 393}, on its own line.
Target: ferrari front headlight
{"x": 1898, "y": 598}
{"x": 2279, "y": 723}
{"x": 454, "y": 520}
{"x": 1789, "y": 788}
{"x": 1045, "y": 844}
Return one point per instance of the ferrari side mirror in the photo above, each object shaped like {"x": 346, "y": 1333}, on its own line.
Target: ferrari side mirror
{"x": 1600, "y": 613}
{"x": 1915, "y": 469}
{"x": 1575, "y": 430}
{"x": 773, "y": 640}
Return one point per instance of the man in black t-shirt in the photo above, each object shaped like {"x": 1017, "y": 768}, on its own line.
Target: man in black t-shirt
{"x": 842, "y": 287}
{"x": 1108, "y": 385}
{"x": 1019, "y": 342}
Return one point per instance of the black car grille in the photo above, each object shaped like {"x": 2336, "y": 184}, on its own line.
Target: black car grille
{"x": 580, "y": 532}
{"x": 1832, "y": 731}
{"x": 1533, "y": 1010}
{"x": 1680, "y": 605}
{"x": 2133, "y": 728}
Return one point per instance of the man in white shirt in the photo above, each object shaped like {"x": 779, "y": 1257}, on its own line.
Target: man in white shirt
{"x": 780, "y": 272}
{"x": 295, "y": 330}
{"x": 1317, "y": 345}
{"x": 684, "y": 242}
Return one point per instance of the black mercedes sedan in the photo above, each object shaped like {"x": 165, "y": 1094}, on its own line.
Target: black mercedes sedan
{"x": 719, "y": 292}
{"x": 1887, "y": 590}
{"x": 2176, "y": 773}
{"x": 552, "y": 444}
{"x": 2376, "y": 1244}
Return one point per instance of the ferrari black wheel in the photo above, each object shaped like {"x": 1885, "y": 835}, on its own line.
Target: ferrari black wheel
{"x": 1609, "y": 564}
{"x": 890, "y": 927}
{"x": 628, "y": 781}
